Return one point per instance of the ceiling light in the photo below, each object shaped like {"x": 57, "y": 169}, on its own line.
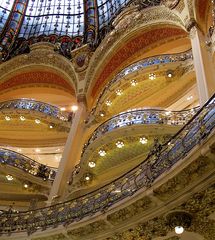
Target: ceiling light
{"x": 189, "y": 98}
{"x": 118, "y": 92}
{"x": 152, "y": 76}
{"x": 143, "y": 140}
{"x": 37, "y": 150}
{"x": 74, "y": 108}
{"x": 169, "y": 73}
{"x": 50, "y": 126}
{"x": 120, "y": 144}
{"x": 7, "y": 118}
{"x": 63, "y": 109}
{"x": 87, "y": 177}
{"x": 37, "y": 121}
{"x": 9, "y": 177}
{"x": 22, "y": 118}
{"x": 25, "y": 185}
{"x": 108, "y": 102}
{"x": 133, "y": 82}
{"x": 102, "y": 152}
{"x": 179, "y": 229}
{"x": 91, "y": 164}
{"x": 102, "y": 113}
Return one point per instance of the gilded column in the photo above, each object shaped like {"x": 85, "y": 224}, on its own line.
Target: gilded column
{"x": 13, "y": 26}
{"x": 202, "y": 59}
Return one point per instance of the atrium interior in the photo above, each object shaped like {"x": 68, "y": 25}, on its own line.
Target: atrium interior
{"x": 107, "y": 117}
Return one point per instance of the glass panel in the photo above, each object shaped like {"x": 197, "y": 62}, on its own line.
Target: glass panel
{"x": 108, "y": 9}
{"x": 61, "y": 17}
{"x": 5, "y": 8}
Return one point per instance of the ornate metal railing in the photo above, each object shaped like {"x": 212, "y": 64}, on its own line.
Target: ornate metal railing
{"x": 147, "y": 62}
{"x": 26, "y": 164}
{"x": 141, "y": 177}
{"x": 32, "y": 105}
{"x": 141, "y": 117}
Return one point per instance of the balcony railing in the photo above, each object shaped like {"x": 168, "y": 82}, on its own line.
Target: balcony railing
{"x": 147, "y": 62}
{"x": 141, "y": 117}
{"x": 32, "y": 105}
{"x": 141, "y": 177}
{"x": 26, "y": 164}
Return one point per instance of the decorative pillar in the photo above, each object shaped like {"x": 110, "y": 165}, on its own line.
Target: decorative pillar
{"x": 202, "y": 59}
{"x": 71, "y": 155}
{"x": 91, "y": 21}
{"x": 13, "y": 26}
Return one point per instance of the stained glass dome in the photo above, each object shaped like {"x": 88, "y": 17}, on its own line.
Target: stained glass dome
{"x": 68, "y": 22}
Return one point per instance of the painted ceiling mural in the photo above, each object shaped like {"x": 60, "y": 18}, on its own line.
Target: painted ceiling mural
{"x": 38, "y": 78}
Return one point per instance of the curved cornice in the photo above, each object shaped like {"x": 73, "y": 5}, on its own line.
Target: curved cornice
{"x": 42, "y": 57}
{"x": 133, "y": 26}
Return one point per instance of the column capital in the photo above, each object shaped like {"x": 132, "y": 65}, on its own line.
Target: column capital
{"x": 190, "y": 24}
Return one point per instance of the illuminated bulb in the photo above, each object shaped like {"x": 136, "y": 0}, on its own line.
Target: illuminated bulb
{"x": 120, "y": 144}
{"x": 50, "y": 126}
{"x": 143, "y": 140}
{"x": 91, "y": 164}
{"x": 22, "y": 118}
{"x": 169, "y": 73}
{"x": 25, "y": 185}
{"x": 133, "y": 82}
{"x": 102, "y": 153}
{"x": 152, "y": 76}
{"x": 37, "y": 150}
{"x": 7, "y": 118}
{"x": 179, "y": 229}
{"x": 9, "y": 177}
{"x": 118, "y": 92}
{"x": 37, "y": 121}
{"x": 87, "y": 178}
{"x": 63, "y": 109}
{"x": 74, "y": 108}
{"x": 102, "y": 113}
{"x": 189, "y": 98}
{"x": 108, "y": 102}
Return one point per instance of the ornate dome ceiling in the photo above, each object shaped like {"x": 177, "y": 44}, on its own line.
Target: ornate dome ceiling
{"x": 75, "y": 21}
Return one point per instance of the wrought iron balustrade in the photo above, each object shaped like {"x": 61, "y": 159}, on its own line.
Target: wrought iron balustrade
{"x": 147, "y": 62}
{"x": 140, "y": 177}
{"x": 141, "y": 117}
{"x": 37, "y": 106}
{"x": 26, "y": 164}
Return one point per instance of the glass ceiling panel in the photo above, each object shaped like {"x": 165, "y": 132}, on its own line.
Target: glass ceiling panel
{"x": 60, "y": 17}
{"x": 5, "y": 8}
{"x": 108, "y": 9}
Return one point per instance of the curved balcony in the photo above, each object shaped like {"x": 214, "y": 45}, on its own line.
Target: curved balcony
{"x": 141, "y": 117}
{"x": 19, "y": 161}
{"x": 138, "y": 67}
{"x": 142, "y": 177}
{"x": 43, "y": 123}
{"x": 36, "y": 106}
